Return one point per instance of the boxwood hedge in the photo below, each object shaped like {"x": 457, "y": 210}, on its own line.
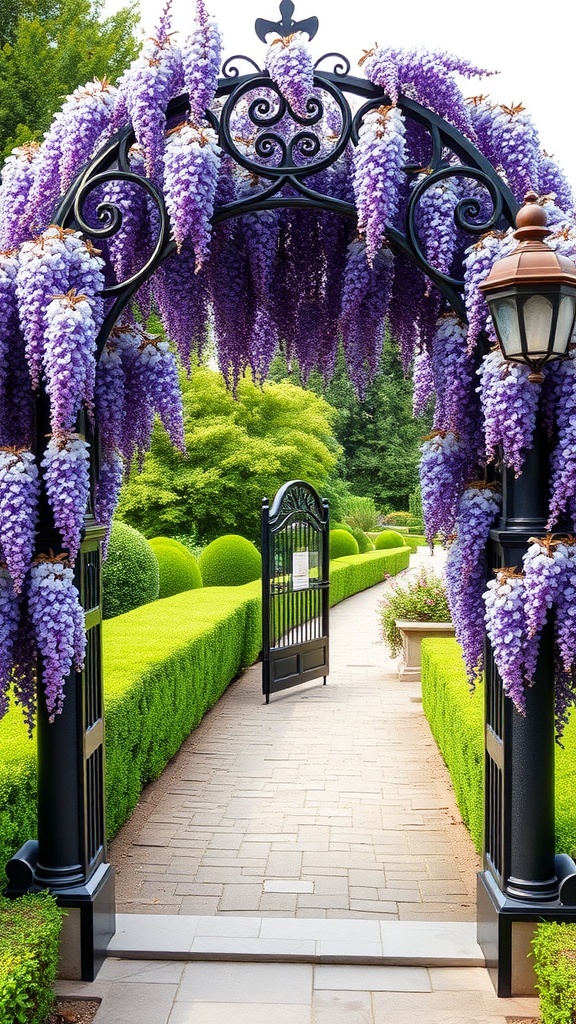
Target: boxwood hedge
{"x": 29, "y": 935}
{"x": 165, "y": 665}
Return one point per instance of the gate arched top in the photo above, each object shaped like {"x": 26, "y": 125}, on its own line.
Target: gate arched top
{"x": 295, "y": 499}
{"x": 290, "y": 166}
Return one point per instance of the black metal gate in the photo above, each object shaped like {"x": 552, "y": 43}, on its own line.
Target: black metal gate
{"x": 295, "y": 588}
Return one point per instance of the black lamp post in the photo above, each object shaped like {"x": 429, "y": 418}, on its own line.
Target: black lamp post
{"x": 532, "y": 299}
{"x": 532, "y": 295}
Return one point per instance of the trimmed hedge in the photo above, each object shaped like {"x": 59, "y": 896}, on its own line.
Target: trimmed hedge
{"x": 130, "y": 575}
{"x": 165, "y": 665}
{"x": 456, "y": 722}
{"x": 554, "y": 948}
{"x": 342, "y": 543}
{"x": 29, "y": 946}
{"x": 230, "y": 561}
{"x": 389, "y": 539}
{"x": 177, "y": 566}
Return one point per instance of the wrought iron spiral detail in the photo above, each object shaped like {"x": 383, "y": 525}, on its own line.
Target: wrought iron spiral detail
{"x": 110, "y": 215}
{"x": 267, "y": 145}
{"x": 264, "y": 113}
{"x": 230, "y": 70}
{"x": 464, "y": 209}
{"x": 341, "y": 68}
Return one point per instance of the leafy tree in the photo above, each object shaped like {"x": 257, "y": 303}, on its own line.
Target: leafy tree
{"x": 47, "y": 48}
{"x": 239, "y": 450}
{"x": 380, "y": 437}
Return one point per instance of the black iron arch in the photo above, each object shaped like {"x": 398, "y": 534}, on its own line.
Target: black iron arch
{"x": 287, "y": 167}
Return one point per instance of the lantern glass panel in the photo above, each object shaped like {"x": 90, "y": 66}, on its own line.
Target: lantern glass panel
{"x": 505, "y": 315}
{"x": 538, "y": 323}
{"x": 565, "y": 324}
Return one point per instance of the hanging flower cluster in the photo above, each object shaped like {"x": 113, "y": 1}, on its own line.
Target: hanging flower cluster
{"x": 297, "y": 280}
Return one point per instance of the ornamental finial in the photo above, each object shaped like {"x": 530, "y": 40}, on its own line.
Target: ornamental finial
{"x": 286, "y": 26}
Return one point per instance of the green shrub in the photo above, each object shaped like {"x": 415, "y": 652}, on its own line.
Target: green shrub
{"x": 230, "y": 561}
{"x": 422, "y": 599}
{"x": 178, "y": 569}
{"x": 364, "y": 543}
{"x": 362, "y": 513}
{"x": 342, "y": 543}
{"x": 342, "y": 526}
{"x": 29, "y": 944}
{"x": 388, "y": 539}
{"x": 554, "y": 947}
{"x": 130, "y": 575}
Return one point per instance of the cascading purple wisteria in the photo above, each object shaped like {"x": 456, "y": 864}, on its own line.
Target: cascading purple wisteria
{"x": 201, "y": 59}
{"x": 563, "y": 457}
{"x": 181, "y": 297}
{"x": 515, "y": 147}
{"x": 19, "y": 494}
{"x": 465, "y": 573}
{"x": 109, "y": 396}
{"x": 377, "y": 173}
{"x": 544, "y": 565}
{"x": 74, "y": 134}
{"x": 69, "y": 359}
{"x": 58, "y": 621}
{"x": 514, "y": 654}
{"x": 509, "y": 409}
{"x": 436, "y": 227}
{"x": 9, "y": 619}
{"x": 191, "y": 160}
{"x": 366, "y": 294}
{"x": 457, "y": 404}
{"x": 146, "y": 88}
{"x": 9, "y": 326}
{"x": 108, "y": 485}
{"x": 425, "y": 75}
{"x": 289, "y": 64}
{"x": 442, "y": 477}
{"x": 405, "y": 304}
{"x": 479, "y": 260}
{"x": 553, "y": 181}
{"x": 423, "y": 380}
{"x": 17, "y": 180}
{"x": 66, "y": 466}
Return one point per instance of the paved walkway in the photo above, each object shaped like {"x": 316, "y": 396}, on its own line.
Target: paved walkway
{"x": 332, "y": 801}
{"x": 329, "y": 804}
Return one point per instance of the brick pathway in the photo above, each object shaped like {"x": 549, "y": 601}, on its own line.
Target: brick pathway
{"x": 331, "y": 802}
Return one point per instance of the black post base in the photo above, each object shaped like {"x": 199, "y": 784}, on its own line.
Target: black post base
{"x": 91, "y": 919}
{"x": 505, "y": 927}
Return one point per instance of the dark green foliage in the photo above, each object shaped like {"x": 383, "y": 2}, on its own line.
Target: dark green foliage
{"x": 455, "y": 717}
{"x": 388, "y": 539}
{"x": 29, "y": 945}
{"x": 47, "y": 48}
{"x": 130, "y": 575}
{"x": 554, "y": 947}
{"x": 364, "y": 543}
{"x": 177, "y": 567}
{"x": 230, "y": 561}
{"x": 342, "y": 543}
{"x": 239, "y": 450}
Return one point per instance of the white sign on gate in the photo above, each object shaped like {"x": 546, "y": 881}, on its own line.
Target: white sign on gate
{"x": 300, "y": 570}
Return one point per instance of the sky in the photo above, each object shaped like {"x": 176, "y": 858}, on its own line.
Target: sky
{"x": 531, "y": 46}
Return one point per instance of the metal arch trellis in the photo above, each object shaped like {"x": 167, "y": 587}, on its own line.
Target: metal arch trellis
{"x": 287, "y": 168}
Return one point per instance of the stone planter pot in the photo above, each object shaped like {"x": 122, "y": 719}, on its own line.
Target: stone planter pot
{"x": 412, "y": 635}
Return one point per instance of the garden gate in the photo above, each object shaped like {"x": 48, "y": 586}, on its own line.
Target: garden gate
{"x": 295, "y": 588}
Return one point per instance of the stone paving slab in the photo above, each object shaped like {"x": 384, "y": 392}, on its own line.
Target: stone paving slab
{"x": 332, "y": 801}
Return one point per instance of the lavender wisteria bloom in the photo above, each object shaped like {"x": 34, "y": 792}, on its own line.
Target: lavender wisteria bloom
{"x": 377, "y": 173}
{"x": 201, "y": 59}
{"x": 191, "y": 164}
{"x": 66, "y": 469}
{"x": 366, "y": 294}
{"x": 17, "y": 180}
{"x": 509, "y": 409}
{"x": 442, "y": 472}
{"x": 107, "y": 492}
{"x": 19, "y": 494}
{"x": 514, "y": 655}
{"x": 69, "y": 359}
{"x": 515, "y": 147}
{"x": 479, "y": 260}
{"x": 426, "y": 76}
{"x": 423, "y": 380}
{"x": 58, "y": 622}
{"x": 563, "y": 457}
{"x": 289, "y": 64}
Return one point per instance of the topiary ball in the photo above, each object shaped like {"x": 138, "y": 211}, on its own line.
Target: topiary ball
{"x": 389, "y": 539}
{"x": 342, "y": 543}
{"x": 364, "y": 543}
{"x": 342, "y": 526}
{"x": 178, "y": 568}
{"x": 130, "y": 574}
{"x": 230, "y": 561}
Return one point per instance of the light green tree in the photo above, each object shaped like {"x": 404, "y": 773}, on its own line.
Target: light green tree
{"x": 47, "y": 49}
{"x": 239, "y": 450}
